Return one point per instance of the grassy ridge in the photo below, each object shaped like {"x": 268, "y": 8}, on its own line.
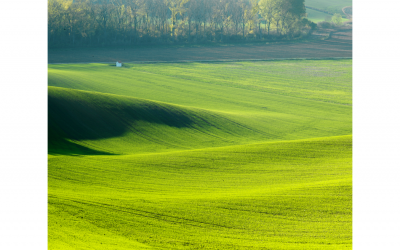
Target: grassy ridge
{"x": 244, "y": 155}
{"x": 330, "y": 6}
{"x": 317, "y": 16}
{"x": 233, "y": 103}
{"x": 326, "y": 3}
{"x": 117, "y": 124}
{"x": 270, "y": 195}
{"x": 227, "y": 86}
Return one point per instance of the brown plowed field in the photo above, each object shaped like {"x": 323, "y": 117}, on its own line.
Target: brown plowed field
{"x": 339, "y": 45}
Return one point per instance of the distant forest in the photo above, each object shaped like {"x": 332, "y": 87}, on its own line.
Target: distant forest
{"x": 125, "y": 22}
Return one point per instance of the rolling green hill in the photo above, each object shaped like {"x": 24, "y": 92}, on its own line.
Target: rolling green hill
{"x": 283, "y": 195}
{"x": 326, "y": 5}
{"x": 233, "y": 155}
{"x": 242, "y": 102}
{"x": 317, "y": 16}
{"x": 124, "y": 125}
{"x": 331, "y": 6}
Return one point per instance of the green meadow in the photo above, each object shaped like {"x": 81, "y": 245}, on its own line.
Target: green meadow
{"x": 330, "y": 6}
{"x": 327, "y": 5}
{"x": 216, "y": 155}
{"x": 318, "y": 16}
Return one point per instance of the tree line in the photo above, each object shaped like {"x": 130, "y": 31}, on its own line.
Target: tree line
{"x": 124, "y": 22}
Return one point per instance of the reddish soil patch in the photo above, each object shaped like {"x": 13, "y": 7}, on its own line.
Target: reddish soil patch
{"x": 338, "y": 45}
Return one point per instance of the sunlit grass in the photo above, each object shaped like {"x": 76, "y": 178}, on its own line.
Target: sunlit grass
{"x": 249, "y": 155}
{"x": 283, "y": 195}
{"x": 231, "y": 103}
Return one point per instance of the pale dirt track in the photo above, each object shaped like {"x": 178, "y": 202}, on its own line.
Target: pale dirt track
{"x": 339, "y": 45}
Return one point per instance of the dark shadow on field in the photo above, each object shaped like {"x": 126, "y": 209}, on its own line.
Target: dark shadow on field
{"x": 64, "y": 147}
{"x": 88, "y": 117}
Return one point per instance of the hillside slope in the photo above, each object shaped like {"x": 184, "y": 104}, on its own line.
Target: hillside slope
{"x": 240, "y": 155}
{"x": 325, "y": 5}
{"x": 281, "y": 195}
{"x": 83, "y": 122}
{"x": 148, "y": 108}
{"x": 330, "y": 6}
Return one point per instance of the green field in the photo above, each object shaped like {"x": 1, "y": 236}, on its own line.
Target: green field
{"x": 317, "y": 16}
{"x": 326, "y": 5}
{"x": 232, "y": 155}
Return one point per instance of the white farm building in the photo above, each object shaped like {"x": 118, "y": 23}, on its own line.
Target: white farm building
{"x": 119, "y": 64}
